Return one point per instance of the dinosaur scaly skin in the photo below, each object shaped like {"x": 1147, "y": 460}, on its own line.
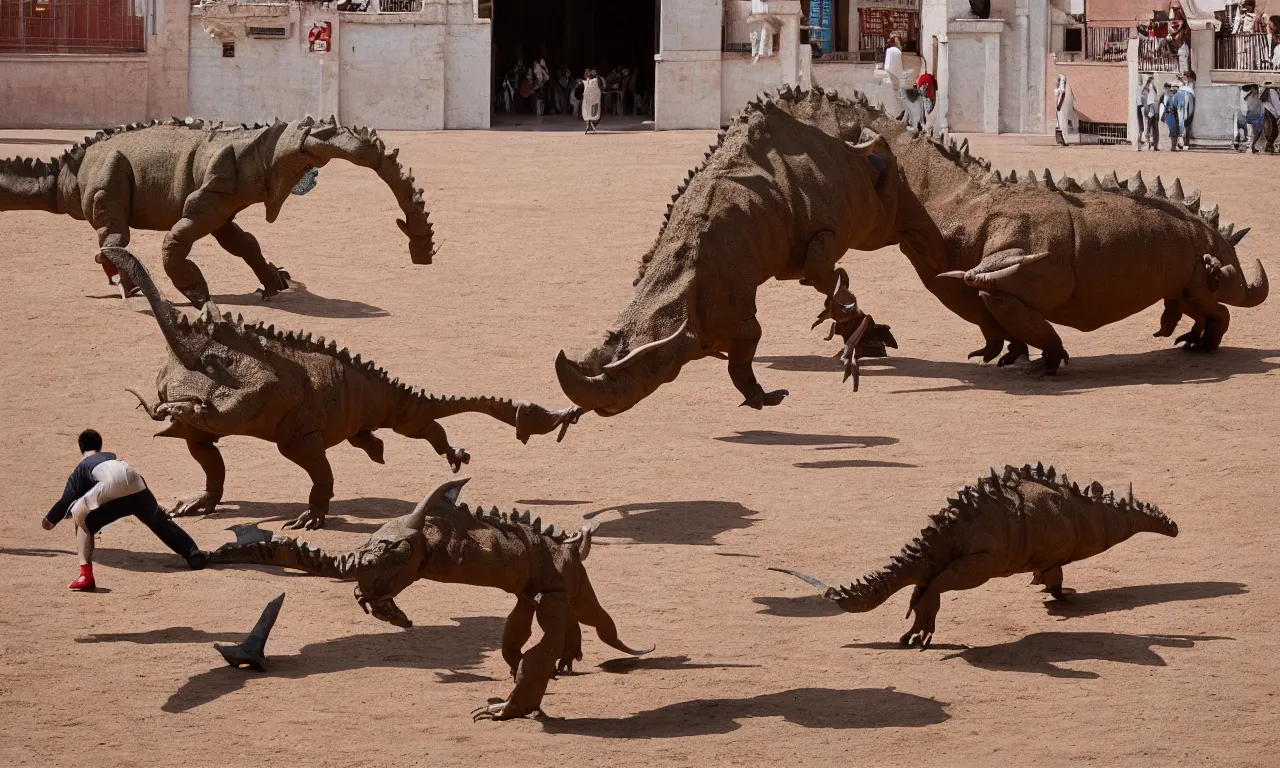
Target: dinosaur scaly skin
{"x": 1028, "y": 251}
{"x": 226, "y": 377}
{"x": 441, "y": 540}
{"x": 190, "y": 178}
{"x": 774, "y": 199}
{"x": 1027, "y": 520}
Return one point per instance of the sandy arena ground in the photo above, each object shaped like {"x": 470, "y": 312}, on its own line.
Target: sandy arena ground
{"x": 1167, "y": 656}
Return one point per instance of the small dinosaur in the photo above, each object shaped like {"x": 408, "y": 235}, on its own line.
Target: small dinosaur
{"x": 442, "y": 540}
{"x": 1028, "y": 520}
{"x": 190, "y": 178}
{"x": 774, "y": 199}
{"x": 227, "y": 377}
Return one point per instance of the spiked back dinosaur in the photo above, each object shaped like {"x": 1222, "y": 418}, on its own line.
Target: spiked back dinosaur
{"x": 1022, "y": 251}
{"x": 774, "y": 199}
{"x": 1027, "y": 520}
{"x": 191, "y": 178}
{"x": 225, "y": 377}
{"x": 442, "y": 540}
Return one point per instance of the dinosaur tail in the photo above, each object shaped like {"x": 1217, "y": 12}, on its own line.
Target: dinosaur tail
{"x": 287, "y": 552}
{"x": 528, "y": 418}
{"x": 872, "y": 590}
{"x": 173, "y": 325}
{"x": 29, "y": 185}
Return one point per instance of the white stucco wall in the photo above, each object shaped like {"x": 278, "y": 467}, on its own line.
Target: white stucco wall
{"x": 392, "y": 75}
{"x": 72, "y": 91}
{"x": 687, "y": 66}
{"x": 467, "y": 75}
{"x": 742, "y": 81}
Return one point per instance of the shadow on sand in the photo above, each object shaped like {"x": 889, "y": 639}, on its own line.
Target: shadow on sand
{"x": 452, "y": 650}
{"x": 1081, "y": 374}
{"x": 628, "y": 664}
{"x": 803, "y": 607}
{"x": 674, "y": 522}
{"x": 300, "y": 301}
{"x": 1128, "y": 598}
{"x": 826, "y": 708}
{"x": 1042, "y": 652}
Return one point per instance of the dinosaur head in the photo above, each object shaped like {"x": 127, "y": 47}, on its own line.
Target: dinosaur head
{"x": 219, "y": 371}
{"x": 626, "y": 368}
{"x": 292, "y": 169}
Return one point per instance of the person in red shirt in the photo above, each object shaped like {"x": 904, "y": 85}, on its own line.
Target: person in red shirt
{"x": 927, "y": 85}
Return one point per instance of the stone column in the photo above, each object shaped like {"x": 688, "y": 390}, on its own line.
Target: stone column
{"x": 1131, "y": 57}
{"x": 687, "y": 65}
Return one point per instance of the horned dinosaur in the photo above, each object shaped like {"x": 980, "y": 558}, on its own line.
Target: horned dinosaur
{"x": 442, "y": 540}
{"x": 228, "y": 377}
{"x": 192, "y": 177}
{"x": 1030, "y": 250}
{"x": 775, "y": 198}
{"x": 1026, "y": 520}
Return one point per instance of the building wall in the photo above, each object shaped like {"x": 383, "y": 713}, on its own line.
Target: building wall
{"x": 467, "y": 74}
{"x": 1100, "y": 90}
{"x": 687, "y": 66}
{"x": 392, "y": 75}
{"x": 72, "y": 91}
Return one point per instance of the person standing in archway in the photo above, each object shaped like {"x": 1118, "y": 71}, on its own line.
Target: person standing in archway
{"x": 591, "y": 97}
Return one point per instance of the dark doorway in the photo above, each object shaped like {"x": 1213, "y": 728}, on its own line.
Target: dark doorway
{"x": 605, "y": 35}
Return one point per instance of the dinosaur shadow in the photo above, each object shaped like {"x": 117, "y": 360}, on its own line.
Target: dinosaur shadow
{"x": 28, "y": 552}
{"x": 818, "y": 442}
{"x": 808, "y": 707}
{"x": 551, "y": 502}
{"x": 444, "y": 648}
{"x": 893, "y": 645}
{"x": 803, "y": 607}
{"x": 628, "y": 664}
{"x": 166, "y": 636}
{"x": 368, "y": 508}
{"x": 852, "y": 463}
{"x": 1042, "y": 652}
{"x": 674, "y": 522}
{"x": 1128, "y": 598}
{"x": 300, "y": 301}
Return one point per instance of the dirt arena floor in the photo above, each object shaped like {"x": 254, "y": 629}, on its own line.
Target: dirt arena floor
{"x": 1167, "y": 656}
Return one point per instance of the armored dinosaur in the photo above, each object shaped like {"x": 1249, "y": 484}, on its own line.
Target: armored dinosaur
{"x": 228, "y": 377}
{"x": 1026, "y": 520}
{"x": 442, "y": 540}
{"x": 192, "y": 177}
{"x": 1029, "y": 250}
{"x": 775, "y": 198}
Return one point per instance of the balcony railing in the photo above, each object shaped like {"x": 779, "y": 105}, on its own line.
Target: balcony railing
{"x": 72, "y": 26}
{"x": 1153, "y": 56}
{"x": 1106, "y": 43}
{"x": 1247, "y": 52}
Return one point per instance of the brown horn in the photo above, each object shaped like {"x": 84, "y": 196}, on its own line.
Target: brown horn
{"x": 644, "y": 348}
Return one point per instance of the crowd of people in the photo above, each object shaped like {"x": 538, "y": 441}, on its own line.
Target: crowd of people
{"x": 532, "y": 89}
{"x": 1174, "y": 104}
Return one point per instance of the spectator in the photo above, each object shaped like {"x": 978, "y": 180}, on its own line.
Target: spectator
{"x": 1273, "y": 40}
{"x": 1186, "y": 101}
{"x": 1249, "y": 119}
{"x": 1068, "y": 124}
{"x": 1245, "y": 23}
{"x": 592, "y": 89}
{"x": 1169, "y": 113}
{"x": 1148, "y": 114}
{"x": 927, "y": 84}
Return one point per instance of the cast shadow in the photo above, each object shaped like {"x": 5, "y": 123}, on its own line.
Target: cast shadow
{"x": 628, "y": 664}
{"x": 1042, "y": 652}
{"x": 852, "y": 463}
{"x": 445, "y": 648}
{"x": 550, "y": 502}
{"x": 886, "y": 645}
{"x": 826, "y": 708}
{"x": 29, "y": 552}
{"x": 139, "y": 562}
{"x": 300, "y": 301}
{"x": 166, "y": 636}
{"x": 819, "y": 442}
{"x": 370, "y": 508}
{"x": 1128, "y": 598}
{"x": 674, "y": 522}
{"x": 803, "y": 607}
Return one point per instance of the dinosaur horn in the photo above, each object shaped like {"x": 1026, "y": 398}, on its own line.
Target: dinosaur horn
{"x": 636, "y": 353}
{"x": 447, "y": 491}
{"x": 144, "y": 405}
{"x": 1131, "y": 494}
{"x": 1238, "y": 236}
{"x": 956, "y": 273}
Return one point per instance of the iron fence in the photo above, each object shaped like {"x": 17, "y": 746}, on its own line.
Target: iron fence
{"x": 1153, "y": 56}
{"x": 1106, "y": 43}
{"x": 400, "y": 6}
{"x": 72, "y": 26}
{"x": 1248, "y": 52}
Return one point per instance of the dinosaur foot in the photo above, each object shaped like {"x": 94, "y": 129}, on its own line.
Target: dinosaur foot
{"x": 307, "y": 521}
{"x": 497, "y": 710}
{"x": 456, "y": 458}
{"x": 1017, "y": 351}
{"x": 989, "y": 352}
{"x": 1059, "y": 593}
{"x": 849, "y": 355}
{"x": 202, "y": 503}
{"x": 533, "y": 419}
{"x": 762, "y": 398}
{"x": 917, "y": 635}
{"x": 280, "y": 283}
{"x": 1049, "y": 363}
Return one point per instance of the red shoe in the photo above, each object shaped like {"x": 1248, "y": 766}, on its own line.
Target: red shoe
{"x": 84, "y": 583}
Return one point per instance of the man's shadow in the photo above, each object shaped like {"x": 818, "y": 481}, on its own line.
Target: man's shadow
{"x": 826, "y": 708}
{"x": 1042, "y": 652}
{"x": 450, "y": 649}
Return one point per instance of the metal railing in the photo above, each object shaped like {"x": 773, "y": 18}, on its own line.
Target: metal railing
{"x": 72, "y": 26}
{"x": 1247, "y": 52}
{"x": 1106, "y": 43}
{"x": 1153, "y": 56}
{"x": 399, "y": 6}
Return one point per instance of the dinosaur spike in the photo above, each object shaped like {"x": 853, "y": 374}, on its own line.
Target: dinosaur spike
{"x": 1095, "y": 490}
{"x": 536, "y": 525}
{"x": 1013, "y": 177}
{"x": 1159, "y": 191}
{"x": 1029, "y": 178}
{"x": 239, "y": 319}
{"x": 524, "y": 518}
{"x": 1212, "y": 217}
{"x": 1227, "y": 230}
{"x": 1075, "y": 488}
{"x": 271, "y": 330}
{"x": 1092, "y": 184}
{"x": 1238, "y": 236}
{"x": 551, "y": 530}
{"x": 1111, "y": 182}
{"x": 1039, "y": 469}
{"x": 993, "y": 177}
{"x": 1175, "y": 191}
{"x": 1136, "y": 186}
{"x": 1051, "y": 473}
{"x": 344, "y": 355}
{"x": 1047, "y": 180}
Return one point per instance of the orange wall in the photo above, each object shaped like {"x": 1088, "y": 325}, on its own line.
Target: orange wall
{"x": 1101, "y": 90}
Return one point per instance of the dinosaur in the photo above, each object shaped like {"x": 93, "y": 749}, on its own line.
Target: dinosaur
{"x": 191, "y": 177}
{"x": 775, "y": 198}
{"x": 442, "y": 540}
{"x": 1023, "y": 250}
{"x": 228, "y": 377}
{"x": 1028, "y": 520}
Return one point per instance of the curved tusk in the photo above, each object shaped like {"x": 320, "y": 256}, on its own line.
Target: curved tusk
{"x": 643, "y": 348}
{"x": 1031, "y": 258}
{"x": 958, "y": 274}
{"x": 142, "y": 403}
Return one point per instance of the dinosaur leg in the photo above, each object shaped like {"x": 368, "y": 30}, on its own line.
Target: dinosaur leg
{"x": 841, "y": 306}
{"x": 109, "y": 215}
{"x": 203, "y": 448}
{"x": 369, "y": 443}
{"x": 308, "y": 452}
{"x": 742, "y": 351}
{"x": 1217, "y": 318}
{"x": 965, "y": 573}
{"x": 516, "y": 633}
{"x": 237, "y": 242}
{"x": 1052, "y": 581}
{"x": 1170, "y": 318}
{"x": 538, "y": 665}
{"x": 1028, "y": 326}
{"x": 433, "y": 433}
{"x": 572, "y": 649}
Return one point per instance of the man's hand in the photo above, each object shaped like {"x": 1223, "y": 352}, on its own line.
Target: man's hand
{"x": 45, "y": 524}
